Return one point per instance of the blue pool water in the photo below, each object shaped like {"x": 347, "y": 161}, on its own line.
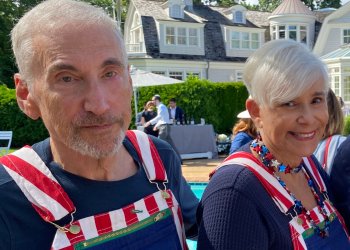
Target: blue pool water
{"x": 198, "y": 189}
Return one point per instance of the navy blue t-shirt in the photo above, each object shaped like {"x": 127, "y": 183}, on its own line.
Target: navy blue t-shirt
{"x": 21, "y": 227}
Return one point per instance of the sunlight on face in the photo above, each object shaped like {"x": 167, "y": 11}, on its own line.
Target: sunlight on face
{"x": 85, "y": 95}
{"x": 293, "y": 129}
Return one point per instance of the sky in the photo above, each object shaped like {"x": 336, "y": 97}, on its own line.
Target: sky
{"x": 256, "y": 1}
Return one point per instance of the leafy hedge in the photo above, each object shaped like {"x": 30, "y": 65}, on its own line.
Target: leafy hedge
{"x": 346, "y": 130}
{"x": 217, "y": 103}
{"x": 25, "y": 130}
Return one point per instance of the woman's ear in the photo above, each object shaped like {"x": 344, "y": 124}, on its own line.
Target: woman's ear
{"x": 255, "y": 112}
{"x": 25, "y": 99}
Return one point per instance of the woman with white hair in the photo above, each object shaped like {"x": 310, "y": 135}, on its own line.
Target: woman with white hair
{"x": 273, "y": 193}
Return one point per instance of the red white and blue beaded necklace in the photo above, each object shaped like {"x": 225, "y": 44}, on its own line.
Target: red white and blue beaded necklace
{"x": 272, "y": 164}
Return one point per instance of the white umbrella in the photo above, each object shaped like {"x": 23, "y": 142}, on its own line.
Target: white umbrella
{"x": 141, "y": 78}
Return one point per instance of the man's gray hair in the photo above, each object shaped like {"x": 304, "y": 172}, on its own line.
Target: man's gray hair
{"x": 54, "y": 16}
{"x": 282, "y": 70}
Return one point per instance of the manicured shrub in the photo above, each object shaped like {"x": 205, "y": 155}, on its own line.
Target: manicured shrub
{"x": 25, "y": 130}
{"x": 346, "y": 130}
{"x": 217, "y": 103}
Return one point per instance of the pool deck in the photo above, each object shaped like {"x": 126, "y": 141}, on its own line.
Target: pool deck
{"x": 197, "y": 170}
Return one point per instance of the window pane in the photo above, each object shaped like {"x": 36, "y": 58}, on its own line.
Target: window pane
{"x": 159, "y": 72}
{"x": 255, "y": 41}
{"x": 235, "y": 35}
{"x": 255, "y": 45}
{"x": 193, "y": 41}
{"x": 346, "y": 36}
{"x": 235, "y": 40}
{"x": 346, "y": 88}
{"x": 282, "y": 34}
{"x": 181, "y": 31}
{"x": 193, "y": 37}
{"x": 245, "y": 40}
{"x": 336, "y": 86}
{"x": 192, "y": 32}
{"x": 255, "y": 36}
{"x": 170, "y": 35}
{"x": 293, "y": 35}
{"x": 181, "y": 36}
{"x": 303, "y": 37}
{"x": 170, "y": 31}
{"x": 239, "y": 17}
{"x": 303, "y": 28}
{"x": 176, "y": 74}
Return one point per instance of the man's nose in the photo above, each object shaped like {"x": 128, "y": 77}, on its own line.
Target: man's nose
{"x": 96, "y": 99}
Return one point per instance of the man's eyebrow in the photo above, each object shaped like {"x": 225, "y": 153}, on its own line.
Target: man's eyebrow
{"x": 113, "y": 62}
{"x": 61, "y": 66}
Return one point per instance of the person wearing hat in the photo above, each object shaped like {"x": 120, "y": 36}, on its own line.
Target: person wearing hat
{"x": 243, "y": 132}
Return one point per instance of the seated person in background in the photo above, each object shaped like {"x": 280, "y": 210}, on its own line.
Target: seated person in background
{"x": 176, "y": 114}
{"x": 148, "y": 115}
{"x": 332, "y": 137}
{"x": 139, "y": 115}
{"x": 243, "y": 132}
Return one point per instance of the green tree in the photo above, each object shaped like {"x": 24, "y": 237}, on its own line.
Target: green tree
{"x": 268, "y": 5}
{"x": 328, "y": 4}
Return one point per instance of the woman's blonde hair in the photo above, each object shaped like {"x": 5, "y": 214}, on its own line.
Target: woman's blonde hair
{"x": 245, "y": 125}
{"x": 149, "y": 104}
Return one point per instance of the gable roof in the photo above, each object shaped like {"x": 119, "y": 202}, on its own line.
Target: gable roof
{"x": 341, "y": 53}
{"x": 325, "y": 29}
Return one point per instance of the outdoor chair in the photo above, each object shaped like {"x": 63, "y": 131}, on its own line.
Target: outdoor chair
{"x": 5, "y": 142}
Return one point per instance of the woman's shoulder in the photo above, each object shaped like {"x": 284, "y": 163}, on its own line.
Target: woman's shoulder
{"x": 236, "y": 177}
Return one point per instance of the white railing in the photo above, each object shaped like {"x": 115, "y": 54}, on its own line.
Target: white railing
{"x": 135, "y": 48}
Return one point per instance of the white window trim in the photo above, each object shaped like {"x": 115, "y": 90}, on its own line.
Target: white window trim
{"x": 241, "y": 40}
{"x": 187, "y": 36}
{"x": 342, "y": 36}
{"x": 286, "y": 31}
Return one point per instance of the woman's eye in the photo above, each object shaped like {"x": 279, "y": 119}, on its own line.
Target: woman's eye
{"x": 317, "y": 100}
{"x": 289, "y": 104}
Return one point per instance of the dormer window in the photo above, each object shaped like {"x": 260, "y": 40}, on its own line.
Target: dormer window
{"x": 176, "y": 8}
{"x": 175, "y": 11}
{"x": 238, "y": 16}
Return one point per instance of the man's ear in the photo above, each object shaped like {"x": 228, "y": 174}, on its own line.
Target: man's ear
{"x": 255, "y": 112}
{"x": 25, "y": 99}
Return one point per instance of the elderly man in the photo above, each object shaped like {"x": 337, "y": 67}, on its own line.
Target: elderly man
{"x": 93, "y": 183}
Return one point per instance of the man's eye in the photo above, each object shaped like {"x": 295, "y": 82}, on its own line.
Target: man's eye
{"x": 67, "y": 78}
{"x": 110, "y": 74}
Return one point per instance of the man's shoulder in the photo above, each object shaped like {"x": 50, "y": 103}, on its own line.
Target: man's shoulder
{"x": 41, "y": 148}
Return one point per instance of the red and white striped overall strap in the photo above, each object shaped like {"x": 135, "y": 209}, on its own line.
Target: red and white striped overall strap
{"x": 279, "y": 195}
{"x": 38, "y": 184}
{"x": 148, "y": 153}
{"x": 311, "y": 166}
{"x": 325, "y": 155}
